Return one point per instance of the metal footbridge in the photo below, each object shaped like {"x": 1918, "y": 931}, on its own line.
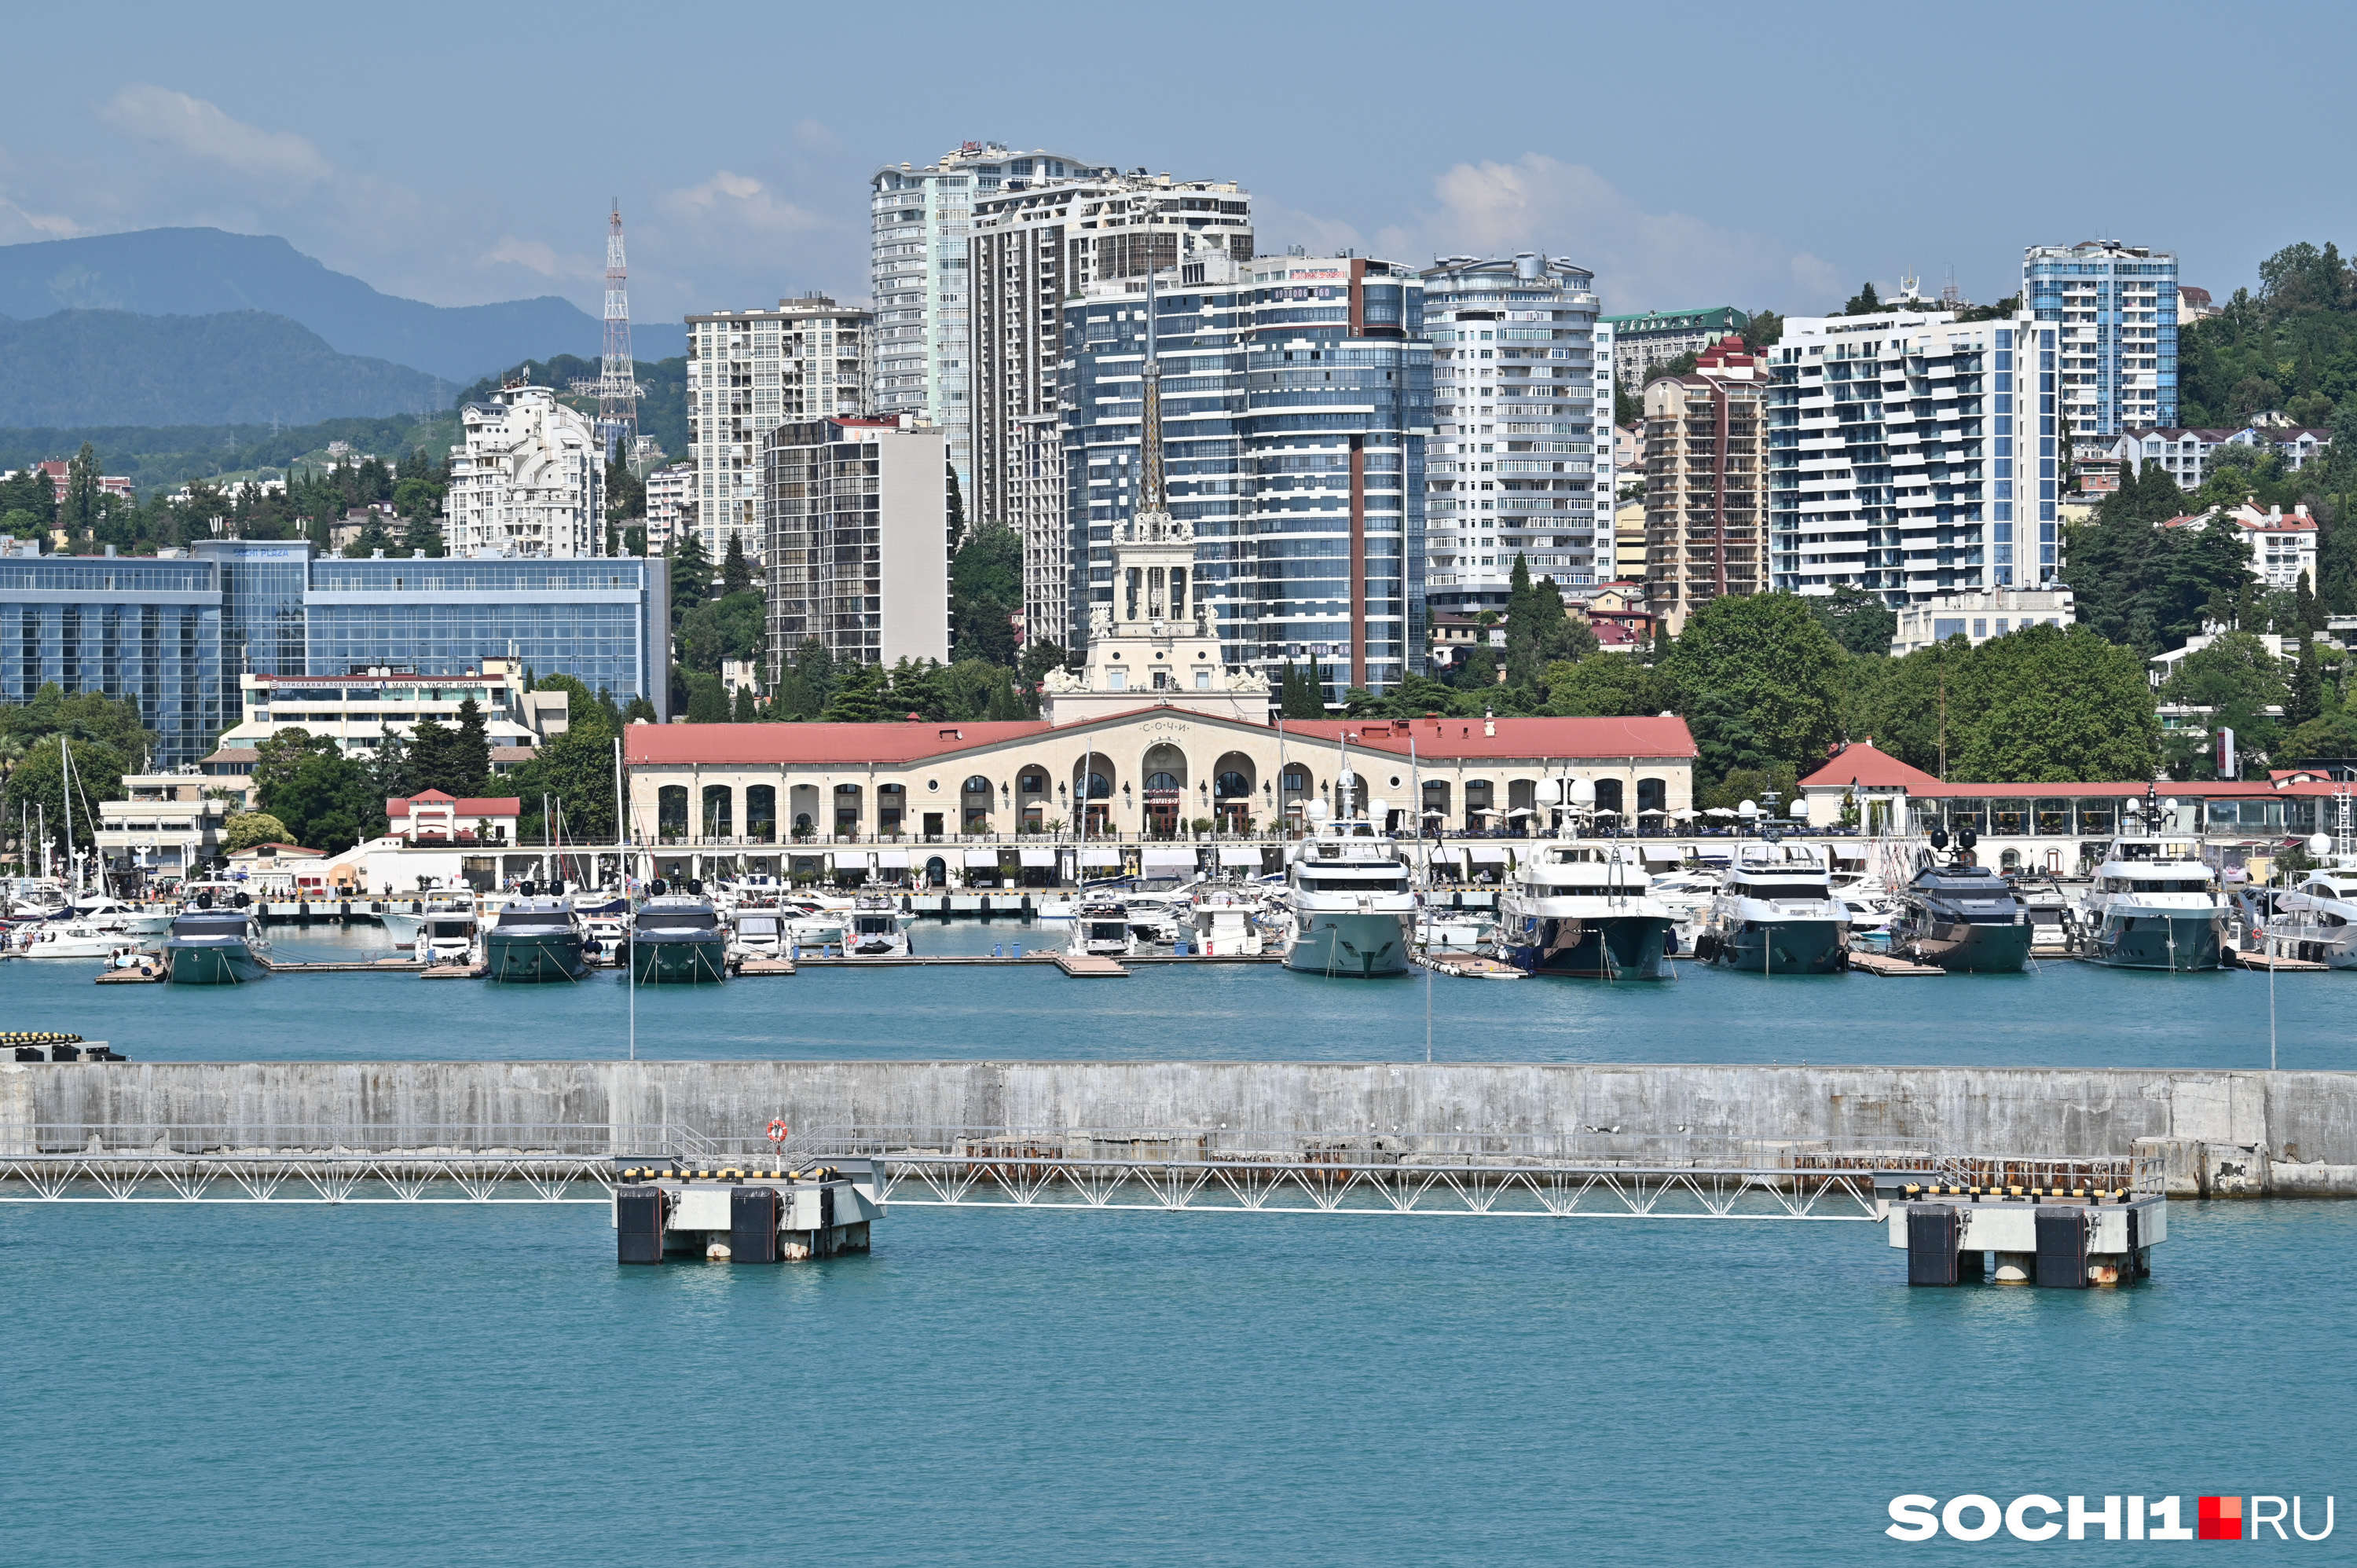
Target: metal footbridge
{"x": 1601, "y": 1172}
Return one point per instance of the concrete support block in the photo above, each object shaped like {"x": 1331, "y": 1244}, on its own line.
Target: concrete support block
{"x": 2288, "y": 1178}
{"x": 2234, "y": 1170}
{"x": 2184, "y": 1167}
{"x": 2016, "y": 1268}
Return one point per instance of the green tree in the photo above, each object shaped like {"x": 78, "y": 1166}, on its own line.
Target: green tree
{"x": 1303, "y": 693}
{"x": 1859, "y": 620}
{"x": 38, "y": 786}
{"x": 1537, "y": 631}
{"x": 246, "y": 829}
{"x": 626, "y": 494}
{"x": 736, "y": 572}
{"x": 2305, "y": 700}
{"x": 1604, "y": 685}
{"x": 2046, "y": 705}
{"x": 734, "y": 626}
{"x": 1757, "y": 678}
{"x": 389, "y": 768}
{"x": 747, "y": 709}
{"x": 78, "y": 509}
{"x": 470, "y": 752}
{"x": 690, "y": 573}
{"x": 985, "y": 590}
{"x": 330, "y": 802}
{"x": 707, "y": 699}
{"x": 1865, "y": 302}
{"x": 575, "y": 768}
{"x": 276, "y": 760}
{"x": 860, "y": 698}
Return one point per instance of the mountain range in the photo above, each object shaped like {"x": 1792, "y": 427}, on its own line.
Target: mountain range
{"x": 240, "y": 283}
{"x": 241, "y": 367}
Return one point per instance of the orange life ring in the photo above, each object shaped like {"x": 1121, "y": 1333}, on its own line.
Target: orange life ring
{"x": 777, "y": 1130}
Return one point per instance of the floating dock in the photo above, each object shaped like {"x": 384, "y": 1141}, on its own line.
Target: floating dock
{"x": 2278, "y": 962}
{"x": 2061, "y": 1239}
{"x": 1089, "y": 966}
{"x": 1467, "y": 966}
{"x": 1884, "y": 964}
{"x": 731, "y": 1216}
{"x": 346, "y": 966}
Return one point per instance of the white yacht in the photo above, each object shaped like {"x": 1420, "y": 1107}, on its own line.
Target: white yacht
{"x": 1687, "y": 897}
{"x": 2317, "y": 920}
{"x": 447, "y": 939}
{"x": 1103, "y": 927}
{"x": 69, "y": 939}
{"x": 875, "y": 930}
{"x": 2150, "y": 909}
{"x": 1348, "y": 894}
{"x": 1583, "y": 907}
{"x": 110, "y": 914}
{"x": 1776, "y": 912}
{"x": 1222, "y": 924}
{"x": 402, "y": 921}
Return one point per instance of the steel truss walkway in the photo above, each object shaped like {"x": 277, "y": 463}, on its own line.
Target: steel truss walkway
{"x": 1184, "y": 1171}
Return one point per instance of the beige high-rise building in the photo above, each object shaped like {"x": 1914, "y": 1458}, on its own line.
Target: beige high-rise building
{"x": 857, "y": 517}
{"x": 750, "y": 372}
{"x": 1706, "y": 483}
{"x": 1036, "y": 245}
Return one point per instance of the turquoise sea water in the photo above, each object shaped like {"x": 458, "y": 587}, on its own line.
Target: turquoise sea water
{"x": 2064, "y": 1014}
{"x": 245, "y": 1386}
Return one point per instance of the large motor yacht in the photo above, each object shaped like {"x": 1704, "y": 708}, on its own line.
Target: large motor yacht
{"x": 1584, "y": 906}
{"x": 678, "y": 939}
{"x": 534, "y": 939}
{"x": 1961, "y": 916}
{"x": 1348, "y": 894}
{"x": 404, "y": 919}
{"x": 1776, "y": 913}
{"x": 2317, "y": 920}
{"x": 208, "y": 946}
{"x": 2149, "y": 909}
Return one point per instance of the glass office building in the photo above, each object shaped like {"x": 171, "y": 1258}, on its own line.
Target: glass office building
{"x": 1297, "y": 403}
{"x": 175, "y": 633}
{"x": 2112, "y": 311}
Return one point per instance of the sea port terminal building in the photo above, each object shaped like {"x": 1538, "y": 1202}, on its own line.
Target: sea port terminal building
{"x": 2063, "y": 829}
{"x": 175, "y": 631}
{"x": 1158, "y": 789}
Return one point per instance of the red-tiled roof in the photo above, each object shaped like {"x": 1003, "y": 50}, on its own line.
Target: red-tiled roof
{"x": 1539, "y": 738}
{"x": 818, "y": 744}
{"x": 471, "y": 806}
{"x": 1863, "y": 763}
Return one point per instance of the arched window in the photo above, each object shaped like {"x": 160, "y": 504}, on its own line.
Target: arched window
{"x": 1297, "y": 782}
{"x": 1099, "y": 787}
{"x": 1161, "y": 784}
{"x": 1232, "y": 785}
{"x": 1608, "y": 794}
{"x": 977, "y": 784}
{"x": 1033, "y": 783}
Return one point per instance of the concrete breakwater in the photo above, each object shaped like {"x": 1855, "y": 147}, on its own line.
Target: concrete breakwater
{"x": 2218, "y": 1132}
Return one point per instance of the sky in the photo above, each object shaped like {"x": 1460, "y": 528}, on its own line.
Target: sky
{"x": 1691, "y": 156}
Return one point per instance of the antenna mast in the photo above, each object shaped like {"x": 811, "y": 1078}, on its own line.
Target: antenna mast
{"x": 617, "y": 387}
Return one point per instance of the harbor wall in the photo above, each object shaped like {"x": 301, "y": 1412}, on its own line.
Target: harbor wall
{"x": 2223, "y": 1132}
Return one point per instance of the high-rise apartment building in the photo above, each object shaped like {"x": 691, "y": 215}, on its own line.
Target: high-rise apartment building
{"x": 1035, "y": 245}
{"x": 1705, "y": 473}
{"x": 1297, "y": 403}
{"x": 1521, "y": 460}
{"x": 750, "y": 372}
{"x": 667, "y": 492}
{"x": 1913, "y": 454}
{"x": 919, "y": 270}
{"x": 857, "y": 516}
{"x": 528, "y": 478}
{"x": 2113, "y": 310}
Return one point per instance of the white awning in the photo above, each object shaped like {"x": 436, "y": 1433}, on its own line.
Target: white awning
{"x": 1100, "y": 857}
{"x": 891, "y": 860}
{"x": 1238, "y": 855}
{"x": 1448, "y": 851}
{"x": 1037, "y": 856}
{"x": 1663, "y": 854}
{"x": 988, "y": 858}
{"x": 1182, "y": 857}
{"x": 1486, "y": 857}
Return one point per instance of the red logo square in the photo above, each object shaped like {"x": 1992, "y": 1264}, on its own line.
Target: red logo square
{"x": 2221, "y": 1519}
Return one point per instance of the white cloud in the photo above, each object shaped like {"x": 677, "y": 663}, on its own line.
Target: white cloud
{"x": 1642, "y": 259}
{"x": 200, "y": 129}
{"x": 739, "y": 201}
{"x": 535, "y": 255}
